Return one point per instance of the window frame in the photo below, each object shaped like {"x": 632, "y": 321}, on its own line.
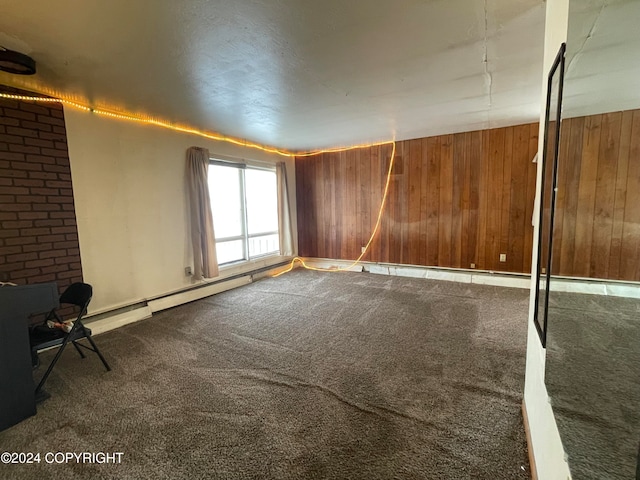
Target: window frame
{"x": 245, "y": 236}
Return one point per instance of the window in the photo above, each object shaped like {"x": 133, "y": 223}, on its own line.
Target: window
{"x": 244, "y": 204}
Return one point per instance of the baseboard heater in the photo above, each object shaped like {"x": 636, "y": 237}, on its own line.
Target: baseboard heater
{"x": 190, "y": 295}
{"x": 141, "y": 311}
{"x": 111, "y": 320}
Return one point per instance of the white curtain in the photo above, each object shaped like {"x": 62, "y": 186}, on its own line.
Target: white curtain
{"x": 205, "y": 261}
{"x": 284, "y": 212}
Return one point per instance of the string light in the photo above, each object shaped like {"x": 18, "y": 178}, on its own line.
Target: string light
{"x": 243, "y": 143}
{"x": 190, "y": 130}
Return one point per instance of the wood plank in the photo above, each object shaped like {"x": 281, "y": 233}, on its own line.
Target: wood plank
{"x": 433, "y": 200}
{"x": 563, "y": 168}
{"x": 395, "y": 195}
{"x": 365, "y": 207}
{"x": 395, "y": 232}
{"x": 620, "y": 199}
{"x": 546, "y": 199}
{"x": 483, "y": 201}
{"x": 341, "y": 170}
{"x": 518, "y": 197}
{"x": 605, "y": 194}
{"x": 404, "y": 204}
{"x": 586, "y": 196}
{"x": 456, "y": 199}
{"x": 319, "y": 187}
{"x": 301, "y": 207}
{"x": 505, "y": 207}
{"x": 334, "y": 251}
{"x": 377, "y": 187}
{"x": 414, "y": 193}
{"x": 350, "y": 206}
{"x": 465, "y": 201}
{"x": 357, "y": 205}
{"x": 531, "y": 189}
{"x": 327, "y": 194}
{"x": 494, "y": 198}
{"x": 475, "y": 168}
{"x": 571, "y": 189}
{"x": 446, "y": 200}
{"x": 424, "y": 202}
{"x": 630, "y": 262}
{"x": 312, "y": 206}
{"x": 385, "y": 155}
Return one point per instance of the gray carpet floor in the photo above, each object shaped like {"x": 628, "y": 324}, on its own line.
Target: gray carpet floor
{"x": 593, "y": 378}
{"x": 306, "y": 376}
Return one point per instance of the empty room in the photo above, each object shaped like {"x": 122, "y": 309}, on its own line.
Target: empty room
{"x": 320, "y": 240}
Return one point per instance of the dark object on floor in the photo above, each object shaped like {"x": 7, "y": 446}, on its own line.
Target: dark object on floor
{"x": 43, "y": 336}
{"x": 16, "y": 304}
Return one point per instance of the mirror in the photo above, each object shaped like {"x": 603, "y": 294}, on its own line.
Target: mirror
{"x": 548, "y": 195}
{"x": 593, "y": 315}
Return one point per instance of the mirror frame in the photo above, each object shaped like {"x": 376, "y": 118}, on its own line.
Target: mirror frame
{"x": 540, "y": 315}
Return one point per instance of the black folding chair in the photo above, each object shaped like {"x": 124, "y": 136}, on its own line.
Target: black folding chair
{"x": 42, "y": 336}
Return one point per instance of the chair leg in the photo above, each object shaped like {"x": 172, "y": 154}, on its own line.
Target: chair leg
{"x": 35, "y": 359}
{"x": 78, "y": 349}
{"x": 51, "y": 365}
{"x": 95, "y": 349}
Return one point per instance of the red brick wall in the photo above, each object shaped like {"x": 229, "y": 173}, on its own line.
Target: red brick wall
{"x": 39, "y": 237}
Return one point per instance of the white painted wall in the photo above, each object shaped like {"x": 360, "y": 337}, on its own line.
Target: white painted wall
{"x": 545, "y": 438}
{"x": 131, "y": 205}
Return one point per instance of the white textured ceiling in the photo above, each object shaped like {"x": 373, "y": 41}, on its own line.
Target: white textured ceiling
{"x": 603, "y": 57}
{"x": 294, "y": 74}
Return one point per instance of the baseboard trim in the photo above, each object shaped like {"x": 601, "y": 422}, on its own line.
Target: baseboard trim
{"x": 592, "y": 286}
{"x": 481, "y": 277}
{"x": 611, "y": 288}
{"x": 461, "y": 276}
{"x": 527, "y": 431}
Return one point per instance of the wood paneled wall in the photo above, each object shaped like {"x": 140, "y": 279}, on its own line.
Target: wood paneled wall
{"x": 463, "y": 199}
{"x": 597, "y": 225}
{"x": 454, "y": 200}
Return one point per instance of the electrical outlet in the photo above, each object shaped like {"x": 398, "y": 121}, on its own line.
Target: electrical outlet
{"x": 362, "y": 249}
{"x": 503, "y": 257}
{"x": 473, "y": 265}
{"x": 187, "y": 271}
